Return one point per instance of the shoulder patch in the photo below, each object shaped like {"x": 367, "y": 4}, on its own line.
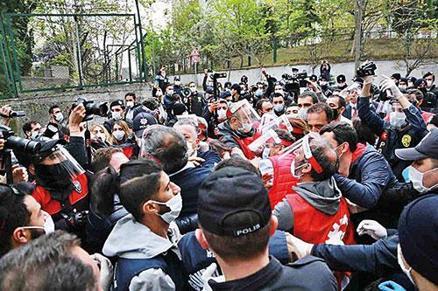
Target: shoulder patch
{"x": 406, "y": 140}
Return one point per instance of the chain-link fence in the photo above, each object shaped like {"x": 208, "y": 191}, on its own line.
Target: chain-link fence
{"x": 41, "y": 52}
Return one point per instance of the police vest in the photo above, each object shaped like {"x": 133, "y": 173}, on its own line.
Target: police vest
{"x": 314, "y": 226}
{"x": 390, "y": 140}
{"x": 283, "y": 179}
{"x": 76, "y": 198}
{"x": 169, "y": 263}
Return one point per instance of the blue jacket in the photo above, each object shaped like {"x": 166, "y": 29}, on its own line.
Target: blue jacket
{"x": 389, "y": 138}
{"x": 369, "y": 177}
{"x": 378, "y": 258}
{"x": 190, "y": 180}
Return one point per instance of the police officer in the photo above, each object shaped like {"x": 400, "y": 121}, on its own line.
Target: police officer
{"x": 196, "y": 103}
{"x": 61, "y": 186}
{"x": 405, "y": 128}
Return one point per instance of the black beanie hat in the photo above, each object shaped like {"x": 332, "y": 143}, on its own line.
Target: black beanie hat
{"x": 418, "y": 234}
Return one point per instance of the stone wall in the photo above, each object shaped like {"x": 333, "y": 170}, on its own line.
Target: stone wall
{"x": 36, "y": 106}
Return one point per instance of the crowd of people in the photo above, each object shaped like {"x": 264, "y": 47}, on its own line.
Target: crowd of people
{"x": 298, "y": 183}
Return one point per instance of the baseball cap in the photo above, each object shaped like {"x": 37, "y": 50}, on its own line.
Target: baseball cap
{"x": 418, "y": 236}
{"x": 233, "y": 202}
{"x": 141, "y": 122}
{"x": 117, "y": 102}
{"x": 427, "y": 148}
{"x": 340, "y": 78}
{"x": 48, "y": 146}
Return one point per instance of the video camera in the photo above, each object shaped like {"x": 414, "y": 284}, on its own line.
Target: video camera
{"x": 18, "y": 143}
{"x": 14, "y": 114}
{"x": 92, "y": 108}
{"x": 216, "y": 76}
{"x": 186, "y": 92}
{"x": 368, "y": 68}
{"x": 294, "y": 82}
{"x": 219, "y": 75}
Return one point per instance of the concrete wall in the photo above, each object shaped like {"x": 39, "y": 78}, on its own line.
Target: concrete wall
{"x": 254, "y": 75}
{"x": 36, "y": 106}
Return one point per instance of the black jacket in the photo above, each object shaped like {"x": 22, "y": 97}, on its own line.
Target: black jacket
{"x": 309, "y": 273}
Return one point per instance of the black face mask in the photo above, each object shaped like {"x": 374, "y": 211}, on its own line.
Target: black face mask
{"x": 55, "y": 179}
{"x": 335, "y": 113}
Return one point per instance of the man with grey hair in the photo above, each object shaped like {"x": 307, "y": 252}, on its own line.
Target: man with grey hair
{"x": 52, "y": 262}
{"x": 204, "y": 158}
{"x": 168, "y": 147}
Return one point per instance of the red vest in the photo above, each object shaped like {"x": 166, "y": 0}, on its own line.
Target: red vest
{"x": 52, "y": 206}
{"x": 314, "y": 226}
{"x": 283, "y": 179}
{"x": 128, "y": 151}
{"x": 245, "y": 142}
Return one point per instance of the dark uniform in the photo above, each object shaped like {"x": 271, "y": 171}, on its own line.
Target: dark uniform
{"x": 390, "y": 138}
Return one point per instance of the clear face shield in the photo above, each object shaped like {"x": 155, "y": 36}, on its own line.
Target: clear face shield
{"x": 303, "y": 154}
{"x": 61, "y": 162}
{"x": 245, "y": 114}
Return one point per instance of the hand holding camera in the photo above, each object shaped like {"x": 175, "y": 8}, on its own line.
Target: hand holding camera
{"x": 75, "y": 119}
{"x": 7, "y": 113}
{"x": 389, "y": 84}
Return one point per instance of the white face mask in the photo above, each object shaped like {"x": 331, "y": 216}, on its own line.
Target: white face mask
{"x": 59, "y": 117}
{"x": 130, "y": 104}
{"x": 49, "y": 225}
{"x": 279, "y": 108}
{"x": 169, "y": 92}
{"x": 190, "y": 148}
{"x": 116, "y": 115}
{"x": 397, "y": 119}
{"x": 35, "y": 135}
{"x": 402, "y": 265}
{"x": 414, "y": 176}
{"x": 221, "y": 114}
{"x": 429, "y": 83}
{"x": 159, "y": 94}
{"x": 119, "y": 135}
{"x": 246, "y": 127}
{"x": 302, "y": 113}
{"x": 175, "y": 206}
{"x": 259, "y": 93}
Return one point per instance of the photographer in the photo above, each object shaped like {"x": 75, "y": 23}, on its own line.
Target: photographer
{"x": 405, "y": 128}
{"x": 32, "y": 129}
{"x": 55, "y": 128}
{"x": 195, "y": 101}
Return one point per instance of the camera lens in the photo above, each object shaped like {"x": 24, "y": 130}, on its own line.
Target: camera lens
{"x": 22, "y": 144}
